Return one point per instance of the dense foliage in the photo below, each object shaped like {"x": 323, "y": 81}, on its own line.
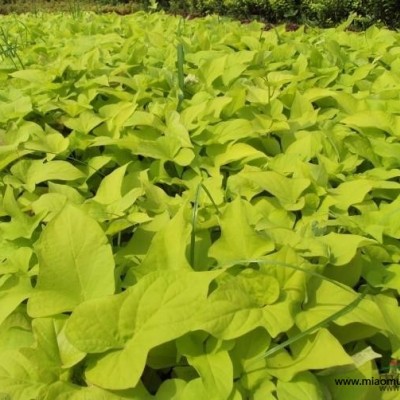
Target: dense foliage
{"x": 318, "y": 12}
{"x": 323, "y": 13}
{"x": 196, "y": 209}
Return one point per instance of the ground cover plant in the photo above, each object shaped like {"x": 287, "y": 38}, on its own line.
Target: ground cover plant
{"x": 69, "y": 6}
{"x": 196, "y": 209}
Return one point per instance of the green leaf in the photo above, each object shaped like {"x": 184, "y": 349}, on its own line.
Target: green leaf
{"x": 110, "y": 187}
{"x": 236, "y": 64}
{"x": 15, "y": 331}
{"x": 211, "y": 362}
{"x": 212, "y": 68}
{"x": 391, "y": 313}
{"x": 159, "y": 308}
{"x": 116, "y": 115}
{"x": 171, "y": 389}
{"x": 232, "y": 312}
{"x": 75, "y": 264}
{"x": 350, "y": 392}
{"x": 232, "y": 130}
{"x": 21, "y": 225}
{"x": 49, "y": 204}
{"x": 285, "y": 367}
{"x": 84, "y": 123}
{"x": 375, "y": 119}
{"x": 16, "y": 108}
{"x": 25, "y": 373}
{"x": 343, "y": 247}
{"x": 66, "y": 391}
{"x": 349, "y": 193}
{"x": 287, "y": 190}
{"x": 326, "y": 299}
{"x": 52, "y": 143}
{"x": 168, "y": 247}
{"x": 303, "y": 387}
{"x": 144, "y": 118}
{"x": 238, "y": 239}
{"x": 13, "y": 292}
{"x": 223, "y": 155}
{"x": 302, "y": 113}
{"x": 33, "y": 76}
{"x": 18, "y": 377}
{"x": 35, "y": 172}
{"x": 264, "y": 289}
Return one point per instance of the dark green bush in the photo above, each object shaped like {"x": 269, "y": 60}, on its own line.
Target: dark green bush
{"x": 388, "y": 11}
{"x": 318, "y": 12}
{"x": 328, "y": 12}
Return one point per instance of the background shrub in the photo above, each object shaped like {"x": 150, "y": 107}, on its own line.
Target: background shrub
{"x": 317, "y": 12}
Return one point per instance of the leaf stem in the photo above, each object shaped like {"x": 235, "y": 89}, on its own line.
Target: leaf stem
{"x": 320, "y": 325}
{"x": 194, "y": 220}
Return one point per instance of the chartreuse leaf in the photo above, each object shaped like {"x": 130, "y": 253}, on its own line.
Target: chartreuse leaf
{"x": 49, "y": 204}
{"x": 236, "y": 308}
{"x": 33, "y": 172}
{"x": 193, "y": 390}
{"x": 226, "y": 154}
{"x": 50, "y": 143}
{"x": 349, "y": 193}
{"x": 211, "y": 362}
{"x": 21, "y": 225}
{"x": 350, "y": 392}
{"x": 34, "y": 76}
{"x": 172, "y": 389}
{"x": 375, "y": 119}
{"x": 67, "y": 391}
{"x": 163, "y": 148}
{"x": 280, "y": 266}
{"x": 236, "y": 63}
{"x": 168, "y": 247}
{"x": 212, "y": 68}
{"x": 203, "y": 106}
{"x": 302, "y": 113}
{"x": 29, "y": 371}
{"x": 159, "y": 308}
{"x": 264, "y": 391}
{"x": 263, "y": 288}
{"x": 285, "y": 367}
{"x": 16, "y": 331}
{"x": 327, "y": 299}
{"x": 84, "y": 123}
{"x": 116, "y": 115}
{"x": 16, "y": 108}
{"x": 110, "y": 187}
{"x": 231, "y": 130}
{"x": 75, "y": 264}
{"x": 238, "y": 239}
{"x": 176, "y": 129}
{"x": 13, "y": 292}
{"x": 343, "y": 247}
{"x": 385, "y": 221}
{"x": 18, "y": 377}
{"x": 391, "y": 313}
{"x": 254, "y": 378}
{"x": 176, "y": 389}
{"x": 250, "y": 181}
{"x": 304, "y": 386}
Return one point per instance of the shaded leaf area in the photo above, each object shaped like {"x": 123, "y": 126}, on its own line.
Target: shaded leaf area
{"x": 180, "y": 198}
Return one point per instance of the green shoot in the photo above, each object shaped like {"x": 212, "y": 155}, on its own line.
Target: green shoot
{"x": 8, "y": 49}
{"x": 194, "y": 219}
